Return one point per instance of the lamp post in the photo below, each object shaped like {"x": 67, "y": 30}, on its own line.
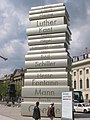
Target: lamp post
{"x": 3, "y": 58}
{"x": 22, "y": 76}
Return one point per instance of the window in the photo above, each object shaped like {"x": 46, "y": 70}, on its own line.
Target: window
{"x": 79, "y": 105}
{"x": 80, "y": 83}
{"x": 86, "y": 96}
{"x": 80, "y": 72}
{"x": 74, "y": 84}
{"x": 75, "y": 104}
{"x": 74, "y": 73}
{"x": 87, "y": 83}
{"x": 87, "y": 71}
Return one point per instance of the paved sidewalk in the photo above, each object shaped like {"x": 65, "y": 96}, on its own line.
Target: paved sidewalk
{"x": 14, "y": 113}
{"x": 5, "y": 118}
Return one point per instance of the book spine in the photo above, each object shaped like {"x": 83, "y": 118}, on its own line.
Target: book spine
{"x": 48, "y": 6}
{"x": 42, "y": 99}
{"x": 28, "y": 106}
{"x": 44, "y": 10}
{"x": 45, "y": 82}
{"x": 46, "y": 36}
{"x": 48, "y": 41}
{"x": 48, "y": 15}
{"x": 45, "y": 75}
{"x": 44, "y": 91}
{"x": 48, "y": 29}
{"x": 48, "y": 46}
{"x": 47, "y": 70}
{"x": 47, "y": 56}
{"x": 48, "y": 22}
{"x": 46, "y": 63}
{"x": 58, "y": 50}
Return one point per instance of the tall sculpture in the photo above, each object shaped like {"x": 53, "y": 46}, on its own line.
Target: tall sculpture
{"x": 48, "y": 61}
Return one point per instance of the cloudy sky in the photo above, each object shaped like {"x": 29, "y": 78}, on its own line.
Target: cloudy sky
{"x": 14, "y": 21}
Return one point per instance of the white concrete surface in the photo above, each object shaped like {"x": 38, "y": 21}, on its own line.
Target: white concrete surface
{"x": 5, "y": 118}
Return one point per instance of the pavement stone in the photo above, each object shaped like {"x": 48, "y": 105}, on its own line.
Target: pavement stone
{"x": 5, "y": 118}
{"x": 14, "y": 113}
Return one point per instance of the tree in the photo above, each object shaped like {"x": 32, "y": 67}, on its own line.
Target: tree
{"x": 18, "y": 90}
{"x": 4, "y": 88}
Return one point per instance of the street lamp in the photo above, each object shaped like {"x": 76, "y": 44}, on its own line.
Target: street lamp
{"x": 3, "y": 58}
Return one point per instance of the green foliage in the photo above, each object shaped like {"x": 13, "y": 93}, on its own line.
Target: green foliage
{"x": 3, "y": 88}
{"x": 18, "y": 90}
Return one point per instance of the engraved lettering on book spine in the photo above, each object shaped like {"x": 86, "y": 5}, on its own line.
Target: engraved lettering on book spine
{"x": 48, "y": 22}
{"x": 49, "y": 15}
{"x": 48, "y": 41}
{"x": 46, "y": 91}
{"x": 46, "y": 82}
{"x": 49, "y": 29}
{"x": 45, "y": 75}
{"x": 46, "y": 56}
{"x": 46, "y": 63}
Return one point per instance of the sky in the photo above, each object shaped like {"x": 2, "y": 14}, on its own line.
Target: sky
{"x": 14, "y": 20}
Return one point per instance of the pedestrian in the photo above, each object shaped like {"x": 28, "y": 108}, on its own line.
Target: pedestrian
{"x": 36, "y": 112}
{"x": 51, "y": 111}
{"x": 19, "y": 101}
{"x": 7, "y": 100}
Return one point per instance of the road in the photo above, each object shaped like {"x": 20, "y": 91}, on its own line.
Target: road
{"x": 82, "y": 115}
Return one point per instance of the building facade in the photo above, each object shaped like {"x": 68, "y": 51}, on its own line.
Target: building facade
{"x": 81, "y": 74}
{"x": 16, "y": 78}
